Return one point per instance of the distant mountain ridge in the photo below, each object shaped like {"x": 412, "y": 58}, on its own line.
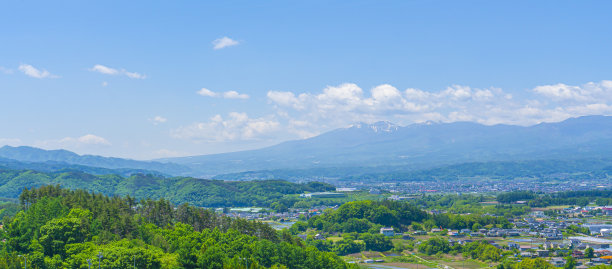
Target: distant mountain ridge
{"x": 47, "y": 158}
{"x": 420, "y": 146}
{"x": 54, "y": 167}
{"x": 382, "y": 144}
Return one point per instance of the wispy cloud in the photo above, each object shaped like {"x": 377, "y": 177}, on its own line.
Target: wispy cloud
{"x": 306, "y": 114}
{"x": 237, "y": 126}
{"x": 227, "y": 94}
{"x": 134, "y": 75}
{"x": 5, "y": 70}
{"x": 88, "y": 141}
{"x": 158, "y": 119}
{"x": 207, "y": 92}
{"x": 114, "y": 72}
{"x": 589, "y": 92}
{"x": 32, "y": 71}
{"x": 224, "y": 42}
{"x": 104, "y": 70}
{"x": 341, "y": 105}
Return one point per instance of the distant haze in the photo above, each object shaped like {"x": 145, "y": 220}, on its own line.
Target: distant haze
{"x": 380, "y": 144}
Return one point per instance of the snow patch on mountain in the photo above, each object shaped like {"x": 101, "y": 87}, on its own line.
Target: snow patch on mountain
{"x": 377, "y": 127}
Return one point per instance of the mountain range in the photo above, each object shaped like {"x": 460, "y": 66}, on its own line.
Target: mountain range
{"x": 381, "y": 145}
{"x": 419, "y": 146}
{"x": 54, "y": 160}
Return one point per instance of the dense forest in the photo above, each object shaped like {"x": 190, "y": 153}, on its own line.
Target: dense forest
{"x": 61, "y": 228}
{"x": 363, "y": 216}
{"x": 370, "y": 216}
{"x": 580, "y": 198}
{"x": 199, "y": 192}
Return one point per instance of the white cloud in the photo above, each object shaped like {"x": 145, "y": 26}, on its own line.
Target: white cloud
{"x": 458, "y": 92}
{"x": 10, "y": 141}
{"x": 342, "y": 105}
{"x": 235, "y": 95}
{"x": 32, "y": 71}
{"x": 104, "y": 70}
{"x": 484, "y": 94}
{"x": 282, "y": 98}
{"x": 224, "y": 42}
{"x": 288, "y": 99}
{"x": 589, "y": 92}
{"x": 386, "y": 92}
{"x": 307, "y": 114}
{"x": 206, "y": 92}
{"x": 104, "y": 84}
{"x": 114, "y": 72}
{"x": 237, "y": 126}
{"x": 158, "y": 119}
{"x": 560, "y": 91}
{"x": 87, "y": 139}
{"x": 134, "y": 75}
{"x": 227, "y": 95}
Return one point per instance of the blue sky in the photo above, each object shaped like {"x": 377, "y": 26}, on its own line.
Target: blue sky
{"x": 150, "y": 79}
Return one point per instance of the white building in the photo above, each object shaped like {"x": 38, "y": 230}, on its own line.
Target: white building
{"x": 387, "y": 231}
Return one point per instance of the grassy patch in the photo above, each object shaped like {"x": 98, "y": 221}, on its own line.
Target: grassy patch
{"x": 334, "y": 238}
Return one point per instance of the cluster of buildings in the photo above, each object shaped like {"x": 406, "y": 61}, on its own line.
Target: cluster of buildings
{"x": 261, "y": 214}
{"x": 475, "y": 185}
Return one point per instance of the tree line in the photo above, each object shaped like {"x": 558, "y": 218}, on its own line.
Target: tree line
{"x": 61, "y": 228}
{"x": 195, "y": 191}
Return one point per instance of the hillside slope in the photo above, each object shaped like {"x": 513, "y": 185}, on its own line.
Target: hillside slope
{"x": 58, "y": 157}
{"x": 178, "y": 190}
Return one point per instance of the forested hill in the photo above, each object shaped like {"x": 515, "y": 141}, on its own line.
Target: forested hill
{"x": 60, "y": 228}
{"x": 199, "y": 192}
{"x": 54, "y": 166}
{"x": 63, "y": 157}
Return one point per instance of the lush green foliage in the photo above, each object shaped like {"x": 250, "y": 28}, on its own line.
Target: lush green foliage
{"x": 360, "y": 222}
{"x": 579, "y": 198}
{"x": 363, "y": 216}
{"x": 370, "y": 216}
{"x": 60, "y": 228}
{"x": 199, "y": 192}
{"x": 481, "y": 250}
{"x": 455, "y": 221}
{"x": 514, "y": 196}
{"x": 537, "y": 263}
{"x": 434, "y": 245}
{"x": 573, "y": 229}
{"x": 474, "y": 204}
{"x": 8, "y": 208}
